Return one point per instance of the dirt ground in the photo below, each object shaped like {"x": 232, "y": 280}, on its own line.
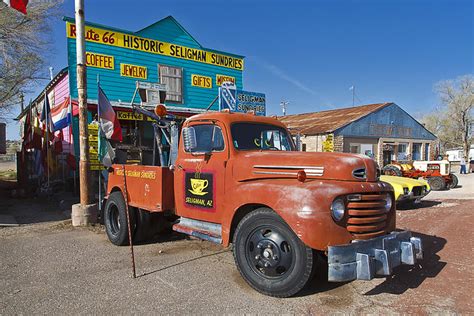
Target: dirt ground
{"x": 47, "y": 266}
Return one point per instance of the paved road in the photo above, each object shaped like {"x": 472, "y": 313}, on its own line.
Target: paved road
{"x": 464, "y": 190}
{"x": 50, "y": 267}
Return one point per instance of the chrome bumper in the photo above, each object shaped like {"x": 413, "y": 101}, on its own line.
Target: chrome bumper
{"x": 363, "y": 260}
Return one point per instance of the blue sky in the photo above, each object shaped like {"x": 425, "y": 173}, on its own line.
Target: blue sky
{"x": 310, "y": 52}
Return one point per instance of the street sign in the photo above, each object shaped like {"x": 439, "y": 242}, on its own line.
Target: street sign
{"x": 151, "y": 93}
{"x": 227, "y": 92}
{"x": 250, "y": 101}
{"x": 240, "y": 100}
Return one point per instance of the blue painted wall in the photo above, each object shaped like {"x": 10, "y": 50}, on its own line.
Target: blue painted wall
{"x": 390, "y": 121}
{"x": 122, "y": 88}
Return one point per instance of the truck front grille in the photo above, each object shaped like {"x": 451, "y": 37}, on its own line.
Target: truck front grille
{"x": 367, "y": 218}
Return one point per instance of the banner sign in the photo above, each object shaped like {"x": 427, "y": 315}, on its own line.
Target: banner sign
{"x": 250, "y": 101}
{"x": 328, "y": 143}
{"x": 128, "y": 41}
{"x": 133, "y": 71}
{"x": 241, "y": 101}
{"x": 130, "y": 116}
{"x": 201, "y": 81}
{"x": 100, "y": 61}
{"x": 93, "y": 148}
{"x": 199, "y": 189}
{"x": 220, "y": 79}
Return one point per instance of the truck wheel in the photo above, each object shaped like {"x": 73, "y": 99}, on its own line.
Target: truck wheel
{"x": 269, "y": 256}
{"x": 437, "y": 183}
{"x": 115, "y": 218}
{"x": 454, "y": 181}
{"x": 390, "y": 170}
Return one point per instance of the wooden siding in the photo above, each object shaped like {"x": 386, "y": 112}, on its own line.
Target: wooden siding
{"x": 167, "y": 30}
{"x": 122, "y": 88}
{"x": 61, "y": 90}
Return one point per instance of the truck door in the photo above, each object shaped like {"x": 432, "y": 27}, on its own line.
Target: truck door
{"x": 200, "y": 173}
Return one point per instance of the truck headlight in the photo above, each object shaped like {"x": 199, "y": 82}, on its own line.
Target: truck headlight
{"x": 388, "y": 202}
{"x": 338, "y": 208}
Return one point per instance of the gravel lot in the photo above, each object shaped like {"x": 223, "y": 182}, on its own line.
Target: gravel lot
{"x": 47, "y": 266}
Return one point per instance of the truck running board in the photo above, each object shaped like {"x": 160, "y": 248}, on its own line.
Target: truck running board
{"x": 200, "y": 229}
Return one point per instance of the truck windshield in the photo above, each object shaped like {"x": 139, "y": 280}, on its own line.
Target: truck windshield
{"x": 252, "y": 136}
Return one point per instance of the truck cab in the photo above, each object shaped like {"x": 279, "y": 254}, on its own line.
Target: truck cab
{"x": 238, "y": 178}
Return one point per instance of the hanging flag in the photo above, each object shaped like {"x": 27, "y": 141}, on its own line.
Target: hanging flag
{"x": 46, "y": 117}
{"x": 109, "y": 128}
{"x": 108, "y": 121}
{"x": 106, "y": 153}
{"x": 61, "y": 116}
{"x": 19, "y": 5}
{"x": 71, "y": 157}
{"x": 58, "y": 142}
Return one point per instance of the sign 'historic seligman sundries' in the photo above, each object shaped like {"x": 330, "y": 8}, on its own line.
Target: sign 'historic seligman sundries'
{"x": 123, "y": 40}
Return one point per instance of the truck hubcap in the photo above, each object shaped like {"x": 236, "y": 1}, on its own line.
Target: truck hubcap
{"x": 268, "y": 252}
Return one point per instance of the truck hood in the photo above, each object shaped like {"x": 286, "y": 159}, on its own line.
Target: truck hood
{"x": 254, "y": 165}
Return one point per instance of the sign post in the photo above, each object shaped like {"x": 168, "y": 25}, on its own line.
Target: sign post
{"x": 84, "y": 213}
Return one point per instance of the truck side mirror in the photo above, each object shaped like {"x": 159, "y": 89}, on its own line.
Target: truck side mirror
{"x": 189, "y": 139}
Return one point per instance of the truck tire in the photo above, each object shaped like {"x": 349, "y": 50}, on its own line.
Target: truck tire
{"x": 454, "y": 181}
{"x": 269, "y": 256}
{"x": 437, "y": 183}
{"x": 391, "y": 170}
{"x": 115, "y": 218}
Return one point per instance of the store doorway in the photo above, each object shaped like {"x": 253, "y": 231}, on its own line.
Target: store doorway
{"x": 387, "y": 157}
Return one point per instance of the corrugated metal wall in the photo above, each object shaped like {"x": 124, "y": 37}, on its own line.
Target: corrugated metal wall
{"x": 391, "y": 121}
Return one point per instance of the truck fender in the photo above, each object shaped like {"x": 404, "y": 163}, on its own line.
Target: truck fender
{"x": 301, "y": 209}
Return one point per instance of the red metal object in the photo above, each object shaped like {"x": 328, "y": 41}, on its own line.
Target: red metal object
{"x": 242, "y": 180}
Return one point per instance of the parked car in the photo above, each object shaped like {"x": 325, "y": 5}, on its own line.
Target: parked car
{"x": 407, "y": 190}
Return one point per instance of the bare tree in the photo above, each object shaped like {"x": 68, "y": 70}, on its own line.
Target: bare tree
{"x": 458, "y": 98}
{"x": 24, "y": 44}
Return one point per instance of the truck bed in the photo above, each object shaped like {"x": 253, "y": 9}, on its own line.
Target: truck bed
{"x": 148, "y": 187}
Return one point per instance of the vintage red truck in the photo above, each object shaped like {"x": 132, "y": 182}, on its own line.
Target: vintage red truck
{"x": 235, "y": 178}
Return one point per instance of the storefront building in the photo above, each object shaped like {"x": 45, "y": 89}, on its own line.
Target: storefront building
{"x": 383, "y": 131}
{"x": 163, "y": 53}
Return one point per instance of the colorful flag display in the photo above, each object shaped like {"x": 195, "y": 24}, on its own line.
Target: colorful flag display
{"x": 19, "y": 5}
{"x": 109, "y": 129}
{"x": 61, "y": 116}
{"x": 108, "y": 121}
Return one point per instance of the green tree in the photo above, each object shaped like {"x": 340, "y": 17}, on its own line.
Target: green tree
{"x": 24, "y": 43}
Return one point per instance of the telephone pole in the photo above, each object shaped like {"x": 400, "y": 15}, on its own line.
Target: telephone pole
{"x": 84, "y": 213}
{"x": 283, "y": 106}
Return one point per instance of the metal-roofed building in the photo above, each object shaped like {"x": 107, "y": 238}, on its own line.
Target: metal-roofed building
{"x": 383, "y": 131}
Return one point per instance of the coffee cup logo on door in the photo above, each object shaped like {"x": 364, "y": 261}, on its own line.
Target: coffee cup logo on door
{"x": 199, "y": 189}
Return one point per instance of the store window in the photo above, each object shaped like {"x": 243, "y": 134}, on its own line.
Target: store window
{"x": 365, "y": 149}
{"x": 416, "y": 151}
{"x": 172, "y": 77}
{"x": 427, "y": 151}
{"x": 355, "y": 149}
{"x": 402, "y": 151}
